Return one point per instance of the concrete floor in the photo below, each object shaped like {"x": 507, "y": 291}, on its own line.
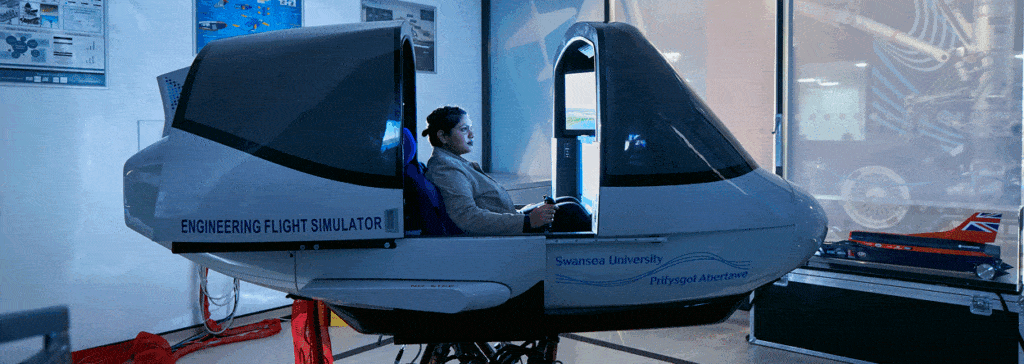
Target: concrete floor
{"x": 721, "y": 343}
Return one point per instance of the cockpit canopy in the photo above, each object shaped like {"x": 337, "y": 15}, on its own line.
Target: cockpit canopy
{"x": 329, "y": 101}
{"x": 653, "y": 129}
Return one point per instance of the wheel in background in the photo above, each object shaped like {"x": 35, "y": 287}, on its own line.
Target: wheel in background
{"x": 875, "y": 197}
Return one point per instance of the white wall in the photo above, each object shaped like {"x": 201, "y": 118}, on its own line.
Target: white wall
{"x": 458, "y": 79}
{"x": 63, "y": 240}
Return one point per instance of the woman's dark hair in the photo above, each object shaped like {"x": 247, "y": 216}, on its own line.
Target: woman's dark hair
{"x": 443, "y": 118}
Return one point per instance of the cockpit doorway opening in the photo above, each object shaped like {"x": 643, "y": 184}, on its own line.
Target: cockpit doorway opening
{"x": 577, "y": 158}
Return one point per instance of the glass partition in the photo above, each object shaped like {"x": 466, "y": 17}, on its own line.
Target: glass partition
{"x": 904, "y": 117}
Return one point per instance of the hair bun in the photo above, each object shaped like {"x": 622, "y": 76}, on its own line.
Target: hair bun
{"x": 425, "y": 132}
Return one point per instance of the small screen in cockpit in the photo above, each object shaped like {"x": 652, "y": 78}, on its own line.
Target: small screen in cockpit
{"x": 392, "y": 135}
{"x": 580, "y": 101}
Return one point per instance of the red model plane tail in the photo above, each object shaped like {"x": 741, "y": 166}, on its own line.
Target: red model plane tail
{"x": 981, "y": 227}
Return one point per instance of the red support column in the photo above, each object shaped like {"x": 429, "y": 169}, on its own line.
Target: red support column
{"x": 310, "y": 321}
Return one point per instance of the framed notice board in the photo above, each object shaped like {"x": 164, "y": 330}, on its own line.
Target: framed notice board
{"x": 53, "y": 42}
{"x": 217, "y": 19}
{"x": 420, "y": 17}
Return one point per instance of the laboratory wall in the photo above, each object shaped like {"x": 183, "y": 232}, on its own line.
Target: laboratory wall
{"x": 725, "y": 50}
{"x": 63, "y": 240}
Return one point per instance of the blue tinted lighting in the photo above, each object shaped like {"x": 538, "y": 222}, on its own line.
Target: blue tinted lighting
{"x": 392, "y": 135}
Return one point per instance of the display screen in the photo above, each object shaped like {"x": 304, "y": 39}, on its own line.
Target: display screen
{"x": 392, "y": 135}
{"x": 580, "y": 101}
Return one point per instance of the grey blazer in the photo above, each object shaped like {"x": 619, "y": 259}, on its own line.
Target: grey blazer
{"x": 474, "y": 201}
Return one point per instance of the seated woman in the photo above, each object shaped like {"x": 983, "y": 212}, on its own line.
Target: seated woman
{"x": 476, "y": 202}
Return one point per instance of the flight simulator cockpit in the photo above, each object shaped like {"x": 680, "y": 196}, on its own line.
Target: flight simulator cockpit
{"x": 285, "y": 165}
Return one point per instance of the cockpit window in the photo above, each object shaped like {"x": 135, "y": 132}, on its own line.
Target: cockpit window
{"x": 680, "y": 145}
{"x": 673, "y": 139}
{"x": 336, "y": 114}
{"x": 654, "y": 129}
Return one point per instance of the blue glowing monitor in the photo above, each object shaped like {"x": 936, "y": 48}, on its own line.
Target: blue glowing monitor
{"x": 392, "y": 135}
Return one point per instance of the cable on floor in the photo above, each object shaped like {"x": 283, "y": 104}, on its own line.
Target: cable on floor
{"x": 205, "y": 300}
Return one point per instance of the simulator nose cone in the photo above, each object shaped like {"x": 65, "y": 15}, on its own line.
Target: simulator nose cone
{"x": 811, "y": 223}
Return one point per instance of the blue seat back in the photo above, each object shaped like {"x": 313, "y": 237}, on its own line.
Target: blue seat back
{"x": 424, "y": 207}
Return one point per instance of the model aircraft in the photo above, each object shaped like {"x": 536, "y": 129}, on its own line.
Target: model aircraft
{"x": 295, "y": 180}
{"x": 965, "y": 248}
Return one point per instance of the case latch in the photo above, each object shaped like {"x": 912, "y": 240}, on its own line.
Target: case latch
{"x": 980, "y": 305}
{"x": 783, "y": 281}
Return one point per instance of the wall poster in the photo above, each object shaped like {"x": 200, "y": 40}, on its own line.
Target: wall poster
{"x": 217, "y": 19}
{"x": 420, "y": 17}
{"x": 53, "y": 42}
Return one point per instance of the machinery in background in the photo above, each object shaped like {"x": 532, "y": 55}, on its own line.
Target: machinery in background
{"x": 911, "y": 109}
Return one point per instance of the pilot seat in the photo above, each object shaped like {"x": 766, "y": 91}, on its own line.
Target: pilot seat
{"x": 425, "y": 213}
